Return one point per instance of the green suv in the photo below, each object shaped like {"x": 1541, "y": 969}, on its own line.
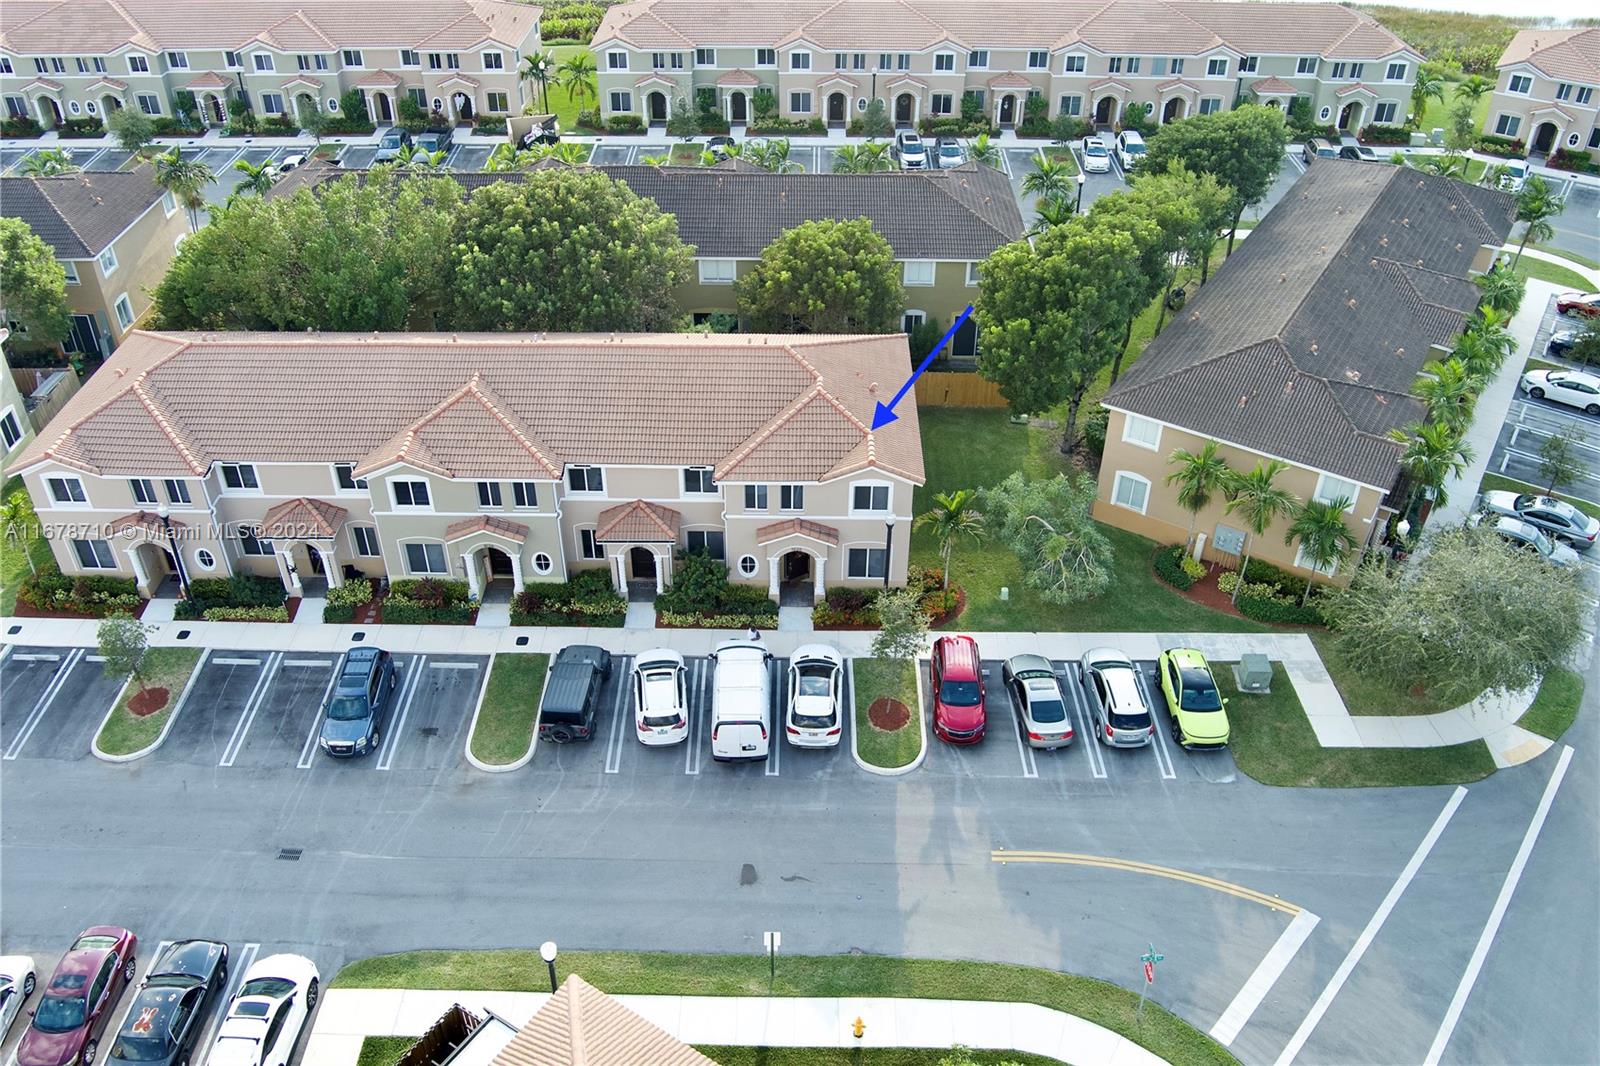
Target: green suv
{"x": 1199, "y": 713}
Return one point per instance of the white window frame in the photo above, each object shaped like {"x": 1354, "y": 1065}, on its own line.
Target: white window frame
{"x": 358, "y": 485}
{"x": 1217, "y": 67}
{"x": 360, "y": 59}
{"x": 66, "y": 482}
{"x": 912, "y": 318}
{"x": 1390, "y": 75}
{"x": 425, "y": 544}
{"x": 683, "y": 481}
{"x": 233, "y": 60}
{"x": 756, "y": 497}
{"x": 888, "y": 498}
{"x": 1377, "y": 112}
{"x": 273, "y": 103}
{"x": 239, "y": 471}
{"x": 941, "y": 103}
{"x": 1507, "y": 124}
{"x": 71, "y": 269}
{"x": 143, "y": 489}
{"x": 169, "y": 203}
{"x": 1034, "y": 53}
{"x": 490, "y": 498}
{"x": 625, "y": 97}
{"x": 95, "y": 543}
{"x": 149, "y": 103}
{"x": 974, "y": 274}
{"x": 108, "y": 261}
{"x": 906, "y": 272}
{"x": 264, "y": 63}
{"x": 585, "y": 491}
{"x": 1303, "y": 563}
{"x": 800, "y": 101}
{"x": 542, "y": 563}
{"x": 616, "y": 59}
{"x": 583, "y": 546}
{"x": 1135, "y": 480}
{"x": 204, "y": 559}
{"x": 978, "y": 59}
{"x": 1306, "y": 66}
{"x": 1526, "y": 82}
{"x": 1130, "y": 422}
{"x": 705, "y": 547}
{"x": 1323, "y": 495}
{"x": 496, "y": 102}
{"x": 525, "y": 495}
{"x": 414, "y": 63}
{"x": 138, "y": 64}
{"x": 705, "y": 57}
{"x": 10, "y": 428}
{"x": 1210, "y": 105}
{"x": 358, "y": 534}
{"x": 1071, "y": 105}
{"x": 262, "y": 548}
{"x": 752, "y": 569}
{"x": 944, "y": 62}
{"x": 766, "y": 57}
{"x": 177, "y": 490}
{"x": 868, "y": 550}
{"x": 800, "y": 60}
{"x": 792, "y": 490}
{"x": 178, "y": 60}
{"x": 1075, "y": 63}
{"x": 394, "y": 494}
{"x": 124, "y": 311}
{"x": 717, "y": 271}
{"x": 498, "y": 57}
{"x": 1249, "y": 64}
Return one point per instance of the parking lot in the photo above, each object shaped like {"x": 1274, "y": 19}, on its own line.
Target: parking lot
{"x": 1531, "y": 422}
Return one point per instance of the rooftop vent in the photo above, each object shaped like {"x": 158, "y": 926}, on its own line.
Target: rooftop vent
{"x": 1352, "y": 375}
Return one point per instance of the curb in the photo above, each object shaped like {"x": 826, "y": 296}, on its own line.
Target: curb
{"x": 855, "y": 731}
{"x": 94, "y": 745}
{"x": 533, "y": 742}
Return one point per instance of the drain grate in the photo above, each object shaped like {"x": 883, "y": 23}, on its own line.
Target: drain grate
{"x": 429, "y": 731}
{"x": 290, "y": 854}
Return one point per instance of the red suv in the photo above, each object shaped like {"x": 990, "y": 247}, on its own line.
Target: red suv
{"x": 957, "y": 690}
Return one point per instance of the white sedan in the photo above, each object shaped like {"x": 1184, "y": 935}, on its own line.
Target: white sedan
{"x": 17, "y": 979}
{"x": 1571, "y": 387}
{"x": 1096, "y": 156}
{"x": 267, "y": 1015}
{"x": 660, "y": 698}
{"x": 814, "y": 682}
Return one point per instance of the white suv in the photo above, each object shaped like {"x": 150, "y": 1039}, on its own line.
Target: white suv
{"x": 1130, "y": 148}
{"x": 660, "y": 698}
{"x": 909, "y": 149}
{"x": 741, "y": 701}
{"x": 813, "y": 719}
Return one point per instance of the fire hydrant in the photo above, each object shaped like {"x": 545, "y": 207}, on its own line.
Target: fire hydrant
{"x": 859, "y": 1028}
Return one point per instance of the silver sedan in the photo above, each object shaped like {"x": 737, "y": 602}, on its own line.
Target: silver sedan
{"x": 1032, "y": 682}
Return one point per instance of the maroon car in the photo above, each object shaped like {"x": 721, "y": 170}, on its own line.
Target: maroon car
{"x": 78, "y": 1001}
{"x": 1580, "y": 304}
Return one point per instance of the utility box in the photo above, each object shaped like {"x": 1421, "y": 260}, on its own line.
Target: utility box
{"x": 1253, "y": 673}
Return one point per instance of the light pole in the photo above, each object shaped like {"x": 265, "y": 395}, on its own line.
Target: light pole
{"x": 888, "y": 549}
{"x": 544, "y": 82}
{"x": 164, "y": 513}
{"x": 1078, "y": 207}
{"x": 547, "y": 952}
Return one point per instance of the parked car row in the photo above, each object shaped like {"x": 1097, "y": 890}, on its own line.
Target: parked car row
{"x": 171, "y": 1007}
{"x": 1118, "y": 711}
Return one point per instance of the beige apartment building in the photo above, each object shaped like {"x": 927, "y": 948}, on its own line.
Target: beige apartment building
{"x": 484, "y": 457}
{"x": 114, "y": 234}
{"x": 1304, "y": 347}
{"x": 72, "y": 59}
{"x": 1546, "y": 88}
{"x": 1086, "y": 58}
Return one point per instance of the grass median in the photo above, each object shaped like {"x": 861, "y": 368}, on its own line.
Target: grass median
{"x": 126, "y": 732}
{"x": 1273, "y": 742}
{"x": 1364, "y": 694}
{"x": 1555, "y": 707}
{"x": 888, "y": 712}
{"x": 503, "y": 731}
{"x": 663, "y": 973}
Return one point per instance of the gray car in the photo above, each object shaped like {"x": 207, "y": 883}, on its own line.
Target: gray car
{"x": 1556, "y": 518}
{"x": 1031, "y": 680}
{"x": 389, "y": 145}
{"x": 1525, "y": 534}
{"x": 1117, "y": 708}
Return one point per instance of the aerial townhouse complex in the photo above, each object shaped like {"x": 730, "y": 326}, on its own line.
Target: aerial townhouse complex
{"x": 1088, "y": 59}
{"x": 1546, "y": 91}
{"x": 74, "y": 59}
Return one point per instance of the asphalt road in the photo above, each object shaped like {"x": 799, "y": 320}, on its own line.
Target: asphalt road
{"x": 612, "y": 845}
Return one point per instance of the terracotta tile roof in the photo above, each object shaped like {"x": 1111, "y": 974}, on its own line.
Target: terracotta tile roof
{"x": 42, "y": 83}
{"x": 1177, "y": 83}
{"x": 378, "y": 79}
{"x": 302, "y": 518}
{"x": 815, "y": 530}
{"x": 738, "y": 77}
{"x": 582, "y": 1026}
{"x": 109, "y": 83}
{"x": 486, "y": 524}
{"x": 1273, "y": 86}
{"x": 79, "y": 215}
{"x": 1332, "y": 31}
{"x": 209, "y": 80}
{"x": 1010, "y": 80}
{"x": 1306, "y": 345}
{"x": 1110, "y": 83}
{"x": 489, "y": 405}
{"x": 1570, "y": 55}
{"x": 1557, "y": 108}
{"x": 1358, "y": 87}
{"x": 148, "y": 521}
{"x": 646, "y": 523}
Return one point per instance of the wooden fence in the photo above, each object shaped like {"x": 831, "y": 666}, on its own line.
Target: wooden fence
{"x": 948, "y": 389}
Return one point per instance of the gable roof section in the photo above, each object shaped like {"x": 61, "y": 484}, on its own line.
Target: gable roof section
{"x": 1306, "y": 343}
{"x": 302, "y": 518}
{"x": 582, "y": 1026}
{"x": 79, "y": 215}
{"x": 1570, "y": 55}
{"x": 645, "y": 523}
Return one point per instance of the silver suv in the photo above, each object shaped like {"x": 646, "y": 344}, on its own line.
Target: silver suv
{"x": 1117, "y": 707}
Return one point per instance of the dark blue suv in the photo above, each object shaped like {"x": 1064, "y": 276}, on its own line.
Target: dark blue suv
{"x": 358, "y": 707}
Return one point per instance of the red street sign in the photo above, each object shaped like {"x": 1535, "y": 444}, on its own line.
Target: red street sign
{"x": 1149, "y": 973}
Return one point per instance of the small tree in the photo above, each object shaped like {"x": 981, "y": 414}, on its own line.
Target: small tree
{"x": 1325, "y": 538}
{"x": 971, "y": 108}
{"x": 875, "y": 121}
{"x": 123, "y": 644}
{"x": 1536, "y": 206}
{"x": 764, "y": 103}
{"x": 1503, "y": 288}
{"x": 1259, "y": 502}
{"x": 186, "y": 180}
{"x": 1434, "y": 454}
{"x": 824, "y": 276}
{"x": 953, "y": 514}
{"x": 1201, "y": 477}
{"x": 49, "y": 163}
{"x": 33, "y": 284}
{"x": 902, "y": 625}
{"x": 133, "y": 129}
{"x": 1050, "y": 179}
{"x": 685, "y": 120}
{"x": 1047, "y": 525}
{"x": 1428, "y": 86}
{"x": 1558, "y": 458}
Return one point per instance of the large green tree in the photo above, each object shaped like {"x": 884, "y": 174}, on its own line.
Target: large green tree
{"x": 1047, "y": 525}
{"x": 1241, "y": 148}
{"x": 564, "y": 250}
{"x": 824, "y": 276}
{"x": 33, "y": 285}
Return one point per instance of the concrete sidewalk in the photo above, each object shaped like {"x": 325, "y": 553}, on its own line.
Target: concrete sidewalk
{"x": 348, "y": 1015}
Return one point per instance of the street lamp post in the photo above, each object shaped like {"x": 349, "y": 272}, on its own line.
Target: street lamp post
{"x": 547, "y": 952}
{"x": 544, "y": 83}
{"x": 1078, "y": 208}
{"x": 888, "y": 549}
{"x": 165, "y": 514}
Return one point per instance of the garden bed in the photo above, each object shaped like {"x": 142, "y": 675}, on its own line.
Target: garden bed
{"x": 847, "y": 609}
{"x": 137, "y": 720}
{"x": 430, "y": 602}
{"x": 240, "y": 598}
{"x": 702, "y": 597}
{"x": 586, "y": 600}
{"x": 502, "y": 733}
{"x": 885, "y": 692}
{"x": 48, "y": 593}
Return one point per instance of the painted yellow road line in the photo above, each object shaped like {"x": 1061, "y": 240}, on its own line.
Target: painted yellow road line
{"x": 1105, "y": 862}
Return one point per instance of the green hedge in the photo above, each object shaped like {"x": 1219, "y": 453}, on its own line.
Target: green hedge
{"x": 51, "y": 590}
{"x": 246, "y": 614}
{"x": 240, "y": 590}
{"x": 624, "y": 124}
{"x": 586, "y": 600}
{"x": 1169, "y": 567}
{"x": 428, "y": 601}
{"x": 1376, "y": 134}
{"x": 342, "y": 602}
{"x": 702, "y": 595}
{"x": 1280, "y": 610}
{"x": 850, "y": 606}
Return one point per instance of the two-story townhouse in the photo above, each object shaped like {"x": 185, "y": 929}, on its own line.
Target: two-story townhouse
{"x": 941, "y": 224}
{"x": 113, "y": 233}
{"x": 1086, "y": 59}
{"x": 1304, "y": 347}
{"x": 16, "y": 428}
{"x": 1547, "y": 91}
{"x": 66, "y": 59}
{"x": 485, "y": 457}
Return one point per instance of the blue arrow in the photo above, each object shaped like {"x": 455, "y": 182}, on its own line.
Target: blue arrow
{"x": 884, "y": 414}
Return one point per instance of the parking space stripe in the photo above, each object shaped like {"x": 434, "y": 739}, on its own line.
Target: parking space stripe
{"x": 248, "y": 715}
{"x": 309, "y": 748}
{"x": 454, "y": 666}
{"x": 414, "y": 682}
{"x": 307, "y": 662}
{"x": 1261, "y": 980}
{"x": 94, "y": 658}
{"x": 1163, "y": 757}
{"x": 42, "y": 705}
{"x": 1030, "y": 769}
{"x": 691, "y": 757}
{"x": 774, "y": 726}
{"x": 1080, "y": 702}
{"x": 237, "y": 662}
{"x": 1364, "y": 941}
{"x": 236, "y": 971}
{"x": 37, "y": 657}
{"x": 614, "y": 742}
{"x": 1105, "y": 862}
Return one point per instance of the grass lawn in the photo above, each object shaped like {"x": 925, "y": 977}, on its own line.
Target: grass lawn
{"x": 1583, "y": 260}
{"x": 875, "y": 678}
{"x": 504, "y": 729}
{"x": 565, "y": 108}
{"x": 973, "y": 448}
{"x": 1500, "y": 481}
{"x": 1371, "y": 695}
{"x": 384, "y": 1050}
{"x": 661, "y": 973}
{"x": 1528, "y": 267}
{"x": 687, "y": 154}
{"x": 14, "y": 553}
{"x": 1273, "y": 742}
{"x": 168, "y": 668}
{"x": 1540, "y": 364}
{"x": 1061, "y": 154}
{"x": 1556, "y": 705}
{"x": 1437, "y": 114}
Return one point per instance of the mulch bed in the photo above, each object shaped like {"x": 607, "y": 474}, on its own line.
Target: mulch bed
{"x": 934, "y": 622}
{"x": 148, "y": 701}
{"x": 888, "y": 715}
{"x": 1206, "y": 593}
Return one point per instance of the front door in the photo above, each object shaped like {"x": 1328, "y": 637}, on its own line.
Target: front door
{"x": 84, "y": 338}
{"x": 314, "y": 557}
{"x": 736, "y": 107}
{"x": 796, "y": 566}
{"x": 1103, "y": 110}
{"x": 658, "y": 107}
{"x": 965, "y": 343}
{"x": 1174, "y": 110}
{"x": 643, "y": 563}
{"x": 499, "y": 564}
{"x": 902, "y": 109}
{"x": 1545, "y": 138}
{"x": 385, "y": 112}
{"x": 1008, "y": 110}
{"x": 836, "y": 108}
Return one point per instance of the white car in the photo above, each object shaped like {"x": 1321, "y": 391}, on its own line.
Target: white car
{"x": 1571, "y": 387}
{"x": 267, "y": 1015}
{"x": 1096, "y": 156}
{"x": 1130, "y": 148}
{"x": 17, "y": 979}
{"x": 1514, "y": 176}
{"x": 741, "y": 701}
{"x": 660, "y": 698}
{"x": 909, "y": 149}
{"x": 813, "y": 720}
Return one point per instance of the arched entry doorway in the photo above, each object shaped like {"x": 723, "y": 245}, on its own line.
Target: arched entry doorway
{"x": 49, "y": 112}
{"x": 305, "y": 107}
{"x": 160, "y": 569}
{"x": 1350, "y": 116}
{"x": 382, "y": 109}
{"x": 797, "y": 579}
{"x": 641, "y": 565}
{"x": 1008, "y": 110}
{"x": 1104, "y": 110}
{"x": 463, "y": 106}
{"x": 905, "y": 109}
{"x": 1544, "y": 138}
{"x": 737, "y": 108}
{"x": 215, "y": 113}
{"x": 838, "y": 109}
{"x": 658, "y": 107}
{"x": 1174, "y": 110}
{"x": 1275, "y": 104}
{"x": 109, "y": 104}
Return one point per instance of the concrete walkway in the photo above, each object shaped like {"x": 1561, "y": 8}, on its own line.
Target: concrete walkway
{"x": 1591, "y": 276}
{"x": 348, "y": 1015}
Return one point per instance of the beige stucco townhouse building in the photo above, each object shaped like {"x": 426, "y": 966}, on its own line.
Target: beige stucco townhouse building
{"x": 1090, "y": 59}
{"x": 1304, "y": 347}
{"x": 483, "y": 457}
{"x": 1547, "y": 91}
{"x": 68, "y": 59}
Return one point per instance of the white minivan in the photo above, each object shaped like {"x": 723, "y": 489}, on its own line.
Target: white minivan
{"x": 741, "y": 701}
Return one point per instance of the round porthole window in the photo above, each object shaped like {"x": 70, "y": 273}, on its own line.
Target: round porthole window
{"x": 861, "y": 104}
{"x": 1572, "y": 140}
{"x": 541, "y": 563}
{"x": 1325, "y": 112}
{"x": 205, "y": 560}
{"x": 333, "y": 104}
{"x": 747, "y": 565}
{"x": 73, "y": 107}
{"x": 90, "y": 107}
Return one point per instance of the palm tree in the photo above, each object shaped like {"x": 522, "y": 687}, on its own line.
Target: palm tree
{"x": 1259, "y": 502}
{"x": 257, "y": 177}
{"x": 1200, "y": 477}
{"x": 1325, "y": 538}
{"x": 655, "y": 160}
{"x": 1446, "y": 165}
{"x": 1050, "y": 213}
{"x": 771, "y": 155}
{"x": 1434, "y": 454}
{"x": 576, "y": 76}
{"x": 1489, "y": 326}
{"x": 1429, "y": 86}
{"x": 49, "y": 163}
{"x": 1478, "y": 358}
{"x": 980, "y": 150}
{"x": 186, "y": 180}
{"x": 869, "y": 158}
{"x": 1473, "y": 88}
{"x": 1051, "y": 179}
{"x": 1502, "y": 290}
{"x": 410, "y": 157}
{"x": 1536, "y": 206}
{"x": 1448, "y": 392}
{"x": 540, "y": 68}
{"x": 953, "y": 514}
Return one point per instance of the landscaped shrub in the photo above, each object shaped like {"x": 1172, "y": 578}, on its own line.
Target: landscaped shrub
{"x": 702, "y": 595}
{"x": 1562, "y": 159}
{"x": 952, "y": 127}
{"x": 82, "y": 127}
{"x": 246, "y": 614}
{"x": 1169, "y": 566}
{"x": 1504, "y": 147}
{"x": 1281, "y": 611}
{"x": 51, "y": 590}
{"x": 846, "y": 607}
{"x": 1193, "y": 567}
{"x": 586, "y": 600}
{"x": 1094, "y": 432}
{"x": 341, "y": 603}
{"x": 167, "y": 126}
{"x": 589, "y": 119}
{"x": 428, "y": 601}
{"x": 624, "y": 124}
{"x": 20, "y": 126}
{"x": 788, "y": 125}
{"x": 488, "y": 124}
{"x": 240, "y": 590}
{"x": 1281, "y": 580}
{"x": 1376, "y": 134}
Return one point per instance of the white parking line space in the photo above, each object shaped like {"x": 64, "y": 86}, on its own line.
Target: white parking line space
{"x": 1163, "y": 757}
{"x": 46, "y": 698}
{"x": 409, "y": 687}
{"x": 1071, "y": 677}
{"x": 1265, "y": 975}
{"x": 231, "y": 752}
{"x": 619, "y": 729}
